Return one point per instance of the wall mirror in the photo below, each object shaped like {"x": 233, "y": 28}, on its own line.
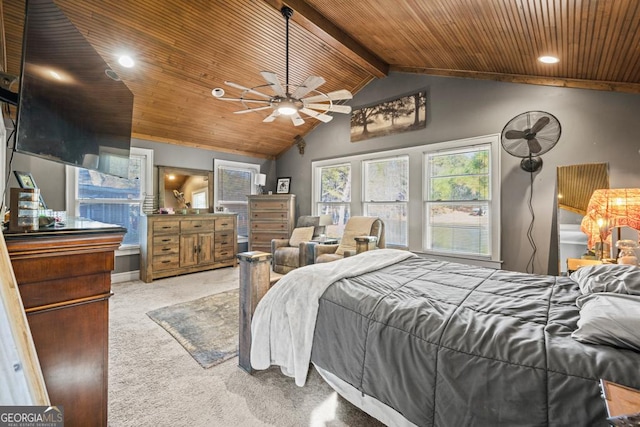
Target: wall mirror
{"x": 575, "y": 184}
{"x": 185, "y": 190}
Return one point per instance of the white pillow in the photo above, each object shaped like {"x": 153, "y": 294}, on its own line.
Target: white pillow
{"x": 609, "y": 319}
{"x": 301, "y": 234}
{"x": 619, "y": 278}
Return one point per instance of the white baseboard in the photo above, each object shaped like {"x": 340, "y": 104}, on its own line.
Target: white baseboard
{"x": 126, "y": 276}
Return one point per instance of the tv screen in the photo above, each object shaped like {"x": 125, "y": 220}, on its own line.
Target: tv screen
{"x": 70, "y": 110}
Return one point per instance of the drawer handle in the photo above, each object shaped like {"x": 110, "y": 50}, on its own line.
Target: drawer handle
{"x": 224, "y": 253}
{"x": 166, "y": 226}
{"x": 224, "y": 243}
{"x": 166, "y": 249}
{"x": 197, "y": 225}
{"x": 225, "y": 224}
{"x": 166, "y": 240}
{"x": 166, "y": 262}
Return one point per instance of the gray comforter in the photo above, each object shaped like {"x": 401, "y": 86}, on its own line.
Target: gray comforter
{"x": 455, "y": 345}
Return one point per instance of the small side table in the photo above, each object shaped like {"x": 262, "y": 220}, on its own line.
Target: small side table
{"x": 325, "y": 241}
{"x": 365, "y": 243}
{"x": 575, "y": 263}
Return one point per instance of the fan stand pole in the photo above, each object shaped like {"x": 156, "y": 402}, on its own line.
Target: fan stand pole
{"x": 532, "y": 242}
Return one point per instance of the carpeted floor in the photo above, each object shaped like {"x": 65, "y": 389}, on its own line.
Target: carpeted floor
{"x": 153, "y": 381}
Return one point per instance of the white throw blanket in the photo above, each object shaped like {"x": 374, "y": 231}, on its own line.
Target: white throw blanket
{"x": 285, "y": 319}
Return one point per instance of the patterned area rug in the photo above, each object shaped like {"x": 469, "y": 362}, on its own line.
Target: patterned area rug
{"x": 206, "y": 327}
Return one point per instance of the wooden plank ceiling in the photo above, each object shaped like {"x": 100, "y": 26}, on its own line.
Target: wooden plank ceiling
{"x": 183, "y": 49}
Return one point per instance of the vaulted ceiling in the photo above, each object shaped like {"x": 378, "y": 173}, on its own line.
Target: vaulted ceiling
{"x": 185, "y": 48}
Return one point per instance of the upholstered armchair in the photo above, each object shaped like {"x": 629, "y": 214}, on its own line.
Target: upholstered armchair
{"x": 356, "y": 227}
{"x": 287, "y": 253}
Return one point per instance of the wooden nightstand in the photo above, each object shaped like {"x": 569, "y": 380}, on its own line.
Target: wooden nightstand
{"x": 622, "y": 403}
{"x": 575, "y": 263}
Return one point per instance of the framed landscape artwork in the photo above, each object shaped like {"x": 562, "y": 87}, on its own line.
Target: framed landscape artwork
{"x": 390, "y": 117}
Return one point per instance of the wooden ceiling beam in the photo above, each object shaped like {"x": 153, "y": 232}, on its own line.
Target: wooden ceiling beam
{"x": 312, "y": 21}
{"x": 527, "y": 79}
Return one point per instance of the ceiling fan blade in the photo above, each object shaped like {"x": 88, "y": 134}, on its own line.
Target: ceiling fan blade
{"x": 333, "y": 96}
{"x": 320, "y": 116}
{"x": 310, "y": 83}
{"x": 296, "y": 119}
{"x": 271, "y": 117}
{"x": 248, "y": 110}
{"x": 273, "y": 81}
{"x": 260, "y": 101}
{"x": 330, "y": 107}
{"x": 542, "y": 122}
{"x": 514, "y": 134}
{"x": 248, "y": 89}
{"x": 534, "y": 146}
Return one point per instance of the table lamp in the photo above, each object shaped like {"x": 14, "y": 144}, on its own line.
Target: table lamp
{"x": 609, "y": 208}
{"x": 260, "y": 180}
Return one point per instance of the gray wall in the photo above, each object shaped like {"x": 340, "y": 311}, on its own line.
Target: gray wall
{"x": 596, "y": 127}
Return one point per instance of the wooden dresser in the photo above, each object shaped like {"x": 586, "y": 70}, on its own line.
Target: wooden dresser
{"x": 179, "y": 244}
{"x": 270, "y": 217}
{"x": 64, "y": 278}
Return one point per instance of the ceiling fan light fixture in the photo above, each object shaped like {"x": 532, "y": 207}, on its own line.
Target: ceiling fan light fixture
{"x": 287, "y": 108}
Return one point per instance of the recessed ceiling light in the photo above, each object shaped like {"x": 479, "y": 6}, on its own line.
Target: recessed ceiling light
{"x": 126, "y": 61}
{"x": 55, "y": 75}
{"x": 548, "y": 59}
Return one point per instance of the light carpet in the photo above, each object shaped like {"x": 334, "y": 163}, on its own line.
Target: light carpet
{"x": 206, "y": 327}
{"x": 154, "y": 382}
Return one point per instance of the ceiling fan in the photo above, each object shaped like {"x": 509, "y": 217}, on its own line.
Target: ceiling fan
{"x": 288, "y": 99}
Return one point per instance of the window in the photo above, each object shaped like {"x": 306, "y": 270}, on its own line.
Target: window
{"x": 110, "y": 199}
{"x": 334, "y": 193}
{"x": 440, "y": 198}
{"x": 234, "y": 181}
{"x": 458, "y": 208}
{"x": 386, "y": 195}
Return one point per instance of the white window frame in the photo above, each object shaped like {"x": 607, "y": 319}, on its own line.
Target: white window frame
{"x": 241, "y": 166}
{"x": 416, "y": 192}
{"x": 71, "y": 193}
{"x": 493, "y": 144}
{"x": 405, "y": 203}
{"x": 317, "y": 181}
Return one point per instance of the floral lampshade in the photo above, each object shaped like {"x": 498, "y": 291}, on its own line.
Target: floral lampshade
{"x": 609, "y": 208}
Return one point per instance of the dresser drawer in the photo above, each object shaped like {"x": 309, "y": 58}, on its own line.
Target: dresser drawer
{"x": 224, "y": 238}
{"x": 261, "y": 247}
{"x": 282, "y": 226}
{"x": 168, "y": 240}
{"x": 269, "y": 205}
{"x": 166, "y": 250}
{"x": 165, "y": 262}
{"x": 265, "y": 238}
{"x": 196, "y": 226}
{"x": 224, "y": 224}
{"x": 164, "y": 227}
{"x": 224, "y": 254}
{"x": 269, "y": 216}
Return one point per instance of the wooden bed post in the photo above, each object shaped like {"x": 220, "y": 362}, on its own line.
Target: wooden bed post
{"x": 254, "y": 283}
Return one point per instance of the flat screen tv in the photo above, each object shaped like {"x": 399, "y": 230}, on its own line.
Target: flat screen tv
{"x": 71, "y": 108}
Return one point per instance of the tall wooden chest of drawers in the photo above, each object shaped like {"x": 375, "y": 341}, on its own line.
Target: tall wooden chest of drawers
{"x": 179, "y": 244}
{"x": 270, "y": 217}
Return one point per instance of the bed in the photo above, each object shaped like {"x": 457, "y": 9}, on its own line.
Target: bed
{"x": 416, "y": 341}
